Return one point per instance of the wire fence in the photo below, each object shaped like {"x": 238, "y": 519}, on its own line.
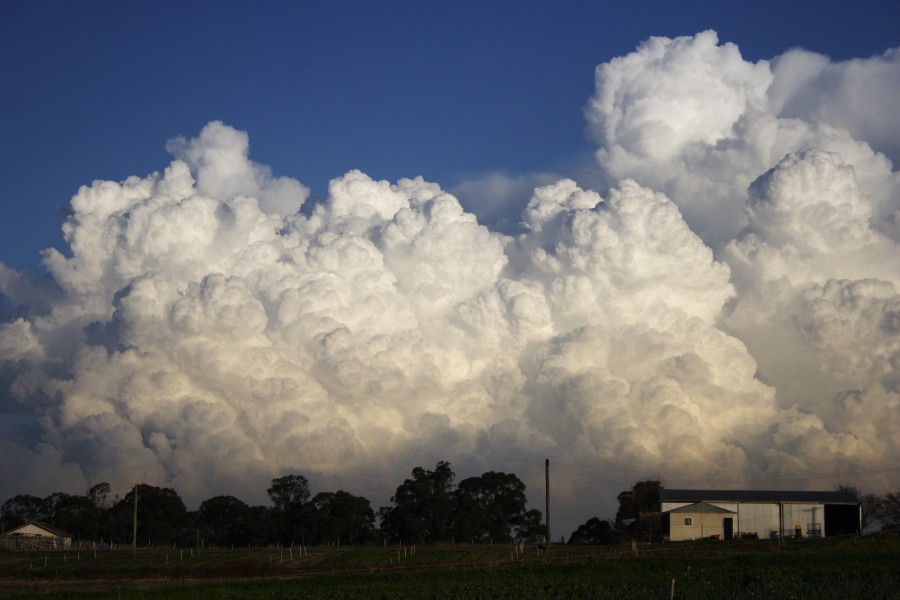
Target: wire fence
{"x": 27, "y": 542}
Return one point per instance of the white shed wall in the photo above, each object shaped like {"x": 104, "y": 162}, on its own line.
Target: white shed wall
{"x": 802, "y": 515}
{"x": 758, "y": 518}
{"x": 702, "y": 525}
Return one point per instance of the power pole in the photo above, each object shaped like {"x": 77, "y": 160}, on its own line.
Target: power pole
{"x": 780, "y": 522}
{"x": 134, "y": 536}
{"x": 547, "y": 499}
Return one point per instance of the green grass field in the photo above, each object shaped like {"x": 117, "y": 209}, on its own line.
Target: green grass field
{"x": 833, "y": 568}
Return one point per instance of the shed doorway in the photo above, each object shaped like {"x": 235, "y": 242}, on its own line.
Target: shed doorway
{"x": 728, "y": 528}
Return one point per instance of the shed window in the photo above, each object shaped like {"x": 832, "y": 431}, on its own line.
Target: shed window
{"x": 689, "y": 521}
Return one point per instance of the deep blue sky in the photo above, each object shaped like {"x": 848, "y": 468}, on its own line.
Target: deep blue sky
{"x": 447, "y": 90}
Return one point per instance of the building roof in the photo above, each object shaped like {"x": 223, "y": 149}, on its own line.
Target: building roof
{"x": 700, "y": 507}
{"x": 56, "y": 531}
{"x": 668, "y": 495}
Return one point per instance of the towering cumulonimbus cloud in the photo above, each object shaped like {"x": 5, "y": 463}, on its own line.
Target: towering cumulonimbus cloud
{"x": 776, "y": 166}
{"x": 727, "y": 310}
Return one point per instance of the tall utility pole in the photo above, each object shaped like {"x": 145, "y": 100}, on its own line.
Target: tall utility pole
{"x": 780, "y": 522}
{"x": 547, "y": 499}
{"x": 134, "y": 536}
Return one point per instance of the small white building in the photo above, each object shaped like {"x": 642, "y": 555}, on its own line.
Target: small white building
{"x": 699, "y": 520}
{"x": 36, "y": 536}
{"x": 695, "y": 514}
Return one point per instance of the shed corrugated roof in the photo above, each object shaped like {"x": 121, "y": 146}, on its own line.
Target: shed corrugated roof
{"x": 669, "y": 495}
{"x": 700, "y": 507}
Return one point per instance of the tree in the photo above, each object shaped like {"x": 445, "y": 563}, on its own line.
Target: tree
{"x": 889, "y": 511}
{"x": 98, "y": 494}
{"x": 532, "y": 526}
{"x": 341, "y": 517}
{"x": 638, "y": 513}
{"x": 423, "y": 506}
{"x": 21, "y": 509}
{"x": 869, "y": 505}
{"x": 288, "y": 492}
{"x": 262, "y": 529}
{"x": 288, "y": 495}
{"x": 595, "y": 531}
{"x": 75, "y": 514}
{"x": 161, "y": 515}
{"x": 489, "y": 507}
{"x": 223, "y": 521}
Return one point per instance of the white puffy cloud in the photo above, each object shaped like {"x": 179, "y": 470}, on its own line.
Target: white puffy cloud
{"x": 218, "y": 160}
{"x": 856, "y": 95}
{"x": 670, "y": 94}
{"x": 692, "y": 118}
{"x": 628, "y": 259}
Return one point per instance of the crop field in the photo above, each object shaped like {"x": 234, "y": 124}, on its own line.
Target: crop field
{"x": 828, "y": 568}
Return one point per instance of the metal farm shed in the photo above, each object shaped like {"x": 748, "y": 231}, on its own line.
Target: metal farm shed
{"x": 764, "y": 513}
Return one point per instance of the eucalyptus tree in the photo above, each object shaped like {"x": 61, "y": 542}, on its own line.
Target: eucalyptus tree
{"x": 21, "y": 509}
{"x": 289, "y": 495}
{"x": 341, "y": 518}
{"x": 224, "y": 521}
{"x": 490, "y": 507}
{"x": 75, "y": 514}
{"x": 423, "y": 507}
{"x": 162, "y": 518}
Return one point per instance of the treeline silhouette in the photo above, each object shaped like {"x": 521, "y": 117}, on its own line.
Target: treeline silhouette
{"x": 425, "y": 508}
